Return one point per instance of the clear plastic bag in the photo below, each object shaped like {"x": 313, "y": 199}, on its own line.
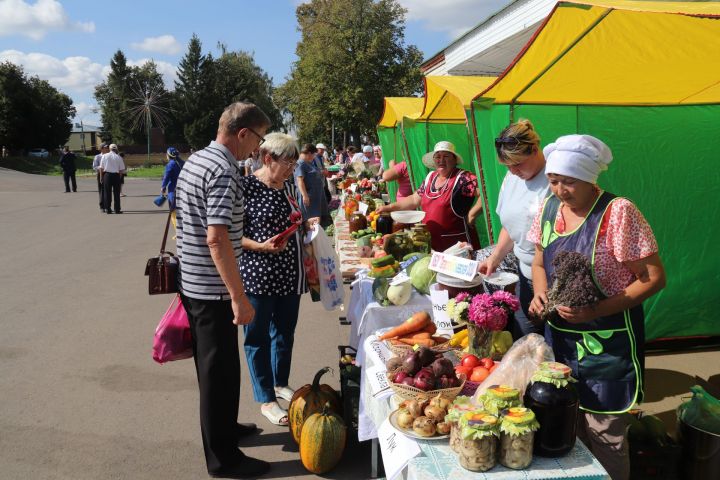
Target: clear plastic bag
{"x": 518, "y": 365}
{"x": 702, "y": 411}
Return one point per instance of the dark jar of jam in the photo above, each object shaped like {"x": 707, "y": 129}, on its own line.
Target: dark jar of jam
{"x": 553, "y": 398}
{"x": 357, "y": 222}
{"x": 384, "y": 224}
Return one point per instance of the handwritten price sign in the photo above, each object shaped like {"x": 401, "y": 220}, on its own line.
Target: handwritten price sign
{"x": 439, "y": 300}
{"x": 453, "y": 266}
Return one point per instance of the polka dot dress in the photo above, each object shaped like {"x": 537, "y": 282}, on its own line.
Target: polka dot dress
{"x": 267, "y": 212}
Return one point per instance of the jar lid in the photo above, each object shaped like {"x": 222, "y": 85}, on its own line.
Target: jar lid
{"x": 480, "y": 420}
{"x": 518, "y": 415}
{"x": 556, "y": 370}
{"x": 518, "y": 421}
{"x": 502, "y": 392}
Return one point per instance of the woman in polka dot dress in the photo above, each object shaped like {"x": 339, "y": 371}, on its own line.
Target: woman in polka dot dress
{"x": 272, "y": 271}
{"x": 602, "y": 343}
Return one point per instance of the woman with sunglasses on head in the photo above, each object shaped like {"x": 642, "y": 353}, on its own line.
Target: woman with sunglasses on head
{"x": 602, "y": 342}
{"x": 448, "y": 197}
{"x": 272, "y": 270}
{"x": 523, "y": 190}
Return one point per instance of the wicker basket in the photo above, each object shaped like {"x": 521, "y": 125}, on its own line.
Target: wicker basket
{"x": 401, "y": 350}
{"x": 411, "y": 393}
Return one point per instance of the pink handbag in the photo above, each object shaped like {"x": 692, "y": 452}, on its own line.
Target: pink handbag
{"x": 172, "y": 335}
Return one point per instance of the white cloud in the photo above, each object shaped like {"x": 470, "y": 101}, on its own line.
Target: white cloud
{"x": 166, "y": 44}
{"x": 454, "y": 17}
{"x": 18, "y": 17}
{"x": 166, "y": 69}
{"x": 71, "y": 74}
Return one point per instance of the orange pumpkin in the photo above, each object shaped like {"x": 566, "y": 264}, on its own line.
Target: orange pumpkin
{"x": 311, "y": 399}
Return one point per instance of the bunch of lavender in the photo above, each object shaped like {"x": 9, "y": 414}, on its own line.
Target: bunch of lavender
{"x": 572, "y": 284}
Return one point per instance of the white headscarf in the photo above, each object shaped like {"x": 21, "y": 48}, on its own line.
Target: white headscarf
{"x": 577, "y": 156}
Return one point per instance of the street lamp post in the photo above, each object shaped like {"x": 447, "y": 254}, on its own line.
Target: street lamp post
{"x": 93, "y": 110}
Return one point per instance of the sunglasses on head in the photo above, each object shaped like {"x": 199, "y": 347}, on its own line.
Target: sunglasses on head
{"x": 508, "y": 141}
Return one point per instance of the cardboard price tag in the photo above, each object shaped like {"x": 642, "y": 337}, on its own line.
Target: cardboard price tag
{"x": 378, "y": 350}
{"x": 379, "y": 384}
{"x": 397, "y": 449}
{"x": 439, "y": 300}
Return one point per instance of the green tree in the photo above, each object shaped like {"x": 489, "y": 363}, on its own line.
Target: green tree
{"x": 194, "y": 105}
{"x": 32, "y": 112}
{"x": 120, "y": 99}
{"x": 352, "y": 53}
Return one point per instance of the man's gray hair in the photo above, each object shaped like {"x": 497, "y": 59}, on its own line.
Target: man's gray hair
{"x": 241, "y": 115}
{"x": 280, "y": 145}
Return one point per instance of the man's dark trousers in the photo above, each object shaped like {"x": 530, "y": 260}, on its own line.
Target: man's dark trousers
{"x": 111, "y": 186}
{"x": 67, "y": 178}
{"x": 217, "y": 364}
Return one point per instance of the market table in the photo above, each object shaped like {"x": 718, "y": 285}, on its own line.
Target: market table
{"x": 436, "y": 460}
{"x": 345, "y": 248}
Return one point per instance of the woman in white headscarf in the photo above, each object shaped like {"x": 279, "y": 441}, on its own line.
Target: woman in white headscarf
{"x": 603, "y": 342}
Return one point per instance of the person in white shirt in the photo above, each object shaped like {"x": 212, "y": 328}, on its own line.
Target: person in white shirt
{"x": 111, "y": 168}
{"x": 96, "y": 168}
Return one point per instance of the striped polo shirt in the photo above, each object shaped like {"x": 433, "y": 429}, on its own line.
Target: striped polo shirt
{"x": 208, "y": 193}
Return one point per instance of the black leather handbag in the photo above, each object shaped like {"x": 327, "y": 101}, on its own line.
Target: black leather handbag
{"x": 162, "y": 269}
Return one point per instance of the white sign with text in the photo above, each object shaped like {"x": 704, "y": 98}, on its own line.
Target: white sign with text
{"x": 439, "y": 300}
{"x": 377, "y": 348}
{"x": 362, "y": 208}
{"x": 379, "y": 384}
{"x": 397, "y": 449}
{"x": 453, "y": 266}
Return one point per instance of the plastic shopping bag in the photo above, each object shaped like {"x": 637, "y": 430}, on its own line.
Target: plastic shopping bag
{"x": 702, "y": 411}
{"x": 332, "y": 293}
{"x": 172, "y": 335}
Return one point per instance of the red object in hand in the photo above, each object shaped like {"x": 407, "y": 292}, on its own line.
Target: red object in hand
{"x": 470, "y": 361}
{"x": 286, "y": 234}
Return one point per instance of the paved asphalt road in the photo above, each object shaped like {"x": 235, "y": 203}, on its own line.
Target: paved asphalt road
{"x": 80, "y": 396}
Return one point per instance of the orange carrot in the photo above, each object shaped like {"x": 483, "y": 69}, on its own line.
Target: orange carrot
{"x": 425, "y": 342}
{"x": 417, "y": 335}
{"x": 431, "y": 328}
{"x": 413, "y": 324}
{"x": 440, "y": 340}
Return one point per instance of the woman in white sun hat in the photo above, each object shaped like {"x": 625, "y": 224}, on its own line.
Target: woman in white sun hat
{"x": 448, "y": 197}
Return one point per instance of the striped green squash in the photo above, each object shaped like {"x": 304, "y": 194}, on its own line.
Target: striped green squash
{"x": 322, "y": 441}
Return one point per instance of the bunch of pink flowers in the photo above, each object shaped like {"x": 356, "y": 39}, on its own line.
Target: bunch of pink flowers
{"x": 491, "y": 311}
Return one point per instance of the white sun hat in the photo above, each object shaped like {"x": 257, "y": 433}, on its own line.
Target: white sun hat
{"x": 428, "y": 161}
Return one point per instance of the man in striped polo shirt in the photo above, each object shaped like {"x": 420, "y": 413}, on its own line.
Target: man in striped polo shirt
{"x": 210, "y": 211}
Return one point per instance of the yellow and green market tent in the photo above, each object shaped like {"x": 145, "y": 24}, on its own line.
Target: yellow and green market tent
{"x": 645, "y": 78}
{"x": 390, "y": 134}
{"x": 445, "y": 116}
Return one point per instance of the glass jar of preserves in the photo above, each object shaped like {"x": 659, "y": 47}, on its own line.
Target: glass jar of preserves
{"x": 554, "y": 400}
{"x": 384, "y": 223}
{"x": 517, "y": 432}
{"x": 477, "y": 449}
{"x": 357, "y": 222}
{"x": 499, "y": 397}
{"x": 461, "y": 405}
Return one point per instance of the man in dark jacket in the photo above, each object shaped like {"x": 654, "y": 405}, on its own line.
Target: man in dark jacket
{"x": 67, "y": 163}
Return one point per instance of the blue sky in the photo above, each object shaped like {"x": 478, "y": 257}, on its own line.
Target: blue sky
{"x": 70, "y": 43}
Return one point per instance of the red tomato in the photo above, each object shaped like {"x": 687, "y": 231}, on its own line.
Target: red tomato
{"x": 467, "y": 371}
{"x": 487, "y": 362}
{"x": 470, "y": 361}
{"x": 479, "y": 374}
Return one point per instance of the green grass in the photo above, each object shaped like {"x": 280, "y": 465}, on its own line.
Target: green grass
{"x": 51, "y": 166}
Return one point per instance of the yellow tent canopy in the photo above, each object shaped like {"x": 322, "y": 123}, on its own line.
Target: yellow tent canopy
{"x": 447, "y": 97}
{"x": 395, "y": 108}
{"x": 618, "y": 52}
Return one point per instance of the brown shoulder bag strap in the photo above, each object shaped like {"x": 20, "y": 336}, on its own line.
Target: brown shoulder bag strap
{"x": 167, "y": 226}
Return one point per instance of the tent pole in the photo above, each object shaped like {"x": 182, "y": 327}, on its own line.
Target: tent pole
{"x": 486, "y": 206}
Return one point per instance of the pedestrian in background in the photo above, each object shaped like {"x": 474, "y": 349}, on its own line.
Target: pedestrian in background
{"x": 96, "y": 168}
{"x": 67, "y": 163}
{"x": 210, "y": 224}
{"x": 111, "y": 168}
